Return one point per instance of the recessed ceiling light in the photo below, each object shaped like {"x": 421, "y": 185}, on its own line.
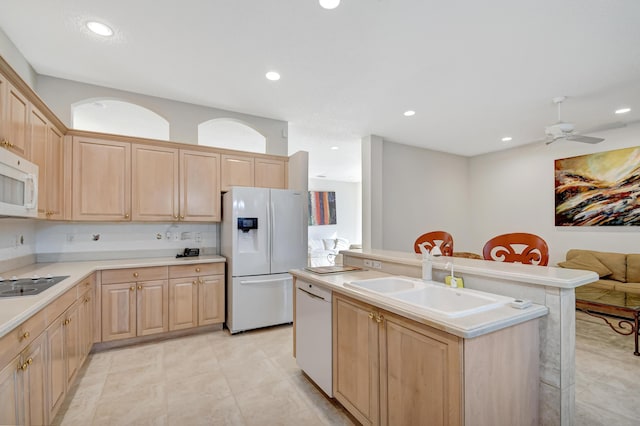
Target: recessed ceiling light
{"x": 273, "y": 76}
{"x": 409, "y": 113}
{"x": 335, "y": 148}
{"x": 507, "y": 139}
{"x": 623, "y": 110}
{"x": 329, "y": 4}
{"x": 99, "y": 28}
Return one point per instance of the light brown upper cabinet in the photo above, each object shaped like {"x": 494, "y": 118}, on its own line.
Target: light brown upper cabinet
{"x": 270, "y": 173}
{"x": 14, "y": 118}
{"x": 47, "y": 152}
{"x": 101, "y": 180}
{"x": 241, "y": 170}
{"x": 237, "y": 170}
{"x": 175, "y": 184}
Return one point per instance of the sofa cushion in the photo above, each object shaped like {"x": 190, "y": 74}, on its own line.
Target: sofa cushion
{"x": 633, "y": 288}
{"x": 616, "y": 262}
{"x": 633, "y": 268}
{"x": 588, "y": 262}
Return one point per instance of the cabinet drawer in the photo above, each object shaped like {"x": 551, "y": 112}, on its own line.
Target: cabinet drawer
{"x": 134, "y": 275}
{"x": 181, "y": 271}
{"x": 86, "y": 284}
{"x": 55, "y": 309}
{"x": 18, "y": 339}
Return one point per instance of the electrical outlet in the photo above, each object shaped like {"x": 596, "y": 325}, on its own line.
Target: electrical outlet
{"x": 198, "y": 237}
{"x": 70, "y": 238}
{"x": 377, "y": 264}
{"x": 175, "y": 236}
{"x": 368, "y": 263}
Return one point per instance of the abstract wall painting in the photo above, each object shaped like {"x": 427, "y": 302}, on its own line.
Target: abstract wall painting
{"x": 599, "y": 189}
{"x": 322, "y": 208}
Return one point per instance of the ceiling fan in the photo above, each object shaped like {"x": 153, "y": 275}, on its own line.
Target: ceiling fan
{"x": 564, "y": 130}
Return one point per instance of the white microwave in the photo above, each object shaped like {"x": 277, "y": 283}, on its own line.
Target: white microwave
{"x": 18, "y": 186}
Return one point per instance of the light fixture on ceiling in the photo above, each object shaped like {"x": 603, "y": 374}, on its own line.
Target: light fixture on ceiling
{"x": 273, "y": 76}
{"x": 623, "y": 110}
{"x": 329, "y": 4}
{"x": 335, "y": 148}
{"x": 100, "y": 28}
{"x": 507, "y": 139}
{"x": 409, "y": 113}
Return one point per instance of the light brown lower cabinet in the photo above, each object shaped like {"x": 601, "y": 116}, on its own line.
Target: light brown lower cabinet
{"x": 390, "y": 370}
{"x": 134, "y": 309}
{"x": 196, "y": 295}
{"x": 22, "y": 387}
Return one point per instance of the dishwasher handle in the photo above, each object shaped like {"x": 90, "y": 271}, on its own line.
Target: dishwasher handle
{"x": 312, "y": 295}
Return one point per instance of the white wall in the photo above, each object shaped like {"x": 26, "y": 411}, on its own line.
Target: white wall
{"x": 13, "y": 57}
{"x": 11, "y": 243}
{"x": 422, "y": 191}
{"x": 348, "y": 211}
{"x": 74, "y": 241}
{"x": 513, "y": 191}
{"x": 60, "y": 94}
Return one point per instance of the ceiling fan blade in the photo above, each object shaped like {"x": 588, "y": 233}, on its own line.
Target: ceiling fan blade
{"x": 585, "y": 139}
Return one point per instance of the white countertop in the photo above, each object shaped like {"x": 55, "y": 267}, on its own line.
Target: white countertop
{"x": 467, "y": 327}
{"x": 542, "y": 275}
{"x": 15, "y": 310}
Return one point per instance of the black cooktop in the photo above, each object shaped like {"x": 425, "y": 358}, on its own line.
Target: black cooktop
{"x": 16, "y": 287}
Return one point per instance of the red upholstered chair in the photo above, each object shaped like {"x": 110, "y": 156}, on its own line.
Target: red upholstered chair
{"x": 442, "y": 239}
{"x": 517, "y": 247}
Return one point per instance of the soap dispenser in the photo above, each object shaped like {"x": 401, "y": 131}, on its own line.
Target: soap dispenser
{"x": 427, "y": 265}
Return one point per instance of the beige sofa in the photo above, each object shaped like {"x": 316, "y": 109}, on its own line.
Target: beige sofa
{"x": 617, "y": 271}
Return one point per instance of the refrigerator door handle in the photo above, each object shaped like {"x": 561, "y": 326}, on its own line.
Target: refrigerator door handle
{"x": 261, "y": 281}
{"x": 271, "y": 214}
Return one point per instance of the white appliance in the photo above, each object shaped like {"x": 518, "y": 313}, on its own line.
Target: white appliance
{"x": 18, "y": 186}
{"x": 264, "y": 234}
{"x": 313, "y": 334}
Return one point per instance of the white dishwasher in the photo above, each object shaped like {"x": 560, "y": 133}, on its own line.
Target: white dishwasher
{"x": 313, "y": 334}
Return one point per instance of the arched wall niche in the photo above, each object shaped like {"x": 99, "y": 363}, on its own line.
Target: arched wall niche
{"x": 109, "y": 115}
{"x": 231, "y": 133}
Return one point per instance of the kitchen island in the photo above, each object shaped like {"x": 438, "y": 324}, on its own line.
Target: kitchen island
{"x": 550, "y": 288}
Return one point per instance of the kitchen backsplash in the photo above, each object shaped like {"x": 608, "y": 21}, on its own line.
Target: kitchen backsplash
{"x": 17, "y": 241}
{"x": 88, "y": 241}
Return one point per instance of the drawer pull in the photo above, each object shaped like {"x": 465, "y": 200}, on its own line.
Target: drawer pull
{"x": 23, "y": 367}
{"x": 197, "y": 269}
{"x": 139, "y": 287}
{"x": 132, "y": 288}
{"x": 66, "y": 322}
{"x": 194, "y": 282}
{"x": 30, "y": 361}
{"x": 25, "y": 335}
{"x": 135, "y": 274}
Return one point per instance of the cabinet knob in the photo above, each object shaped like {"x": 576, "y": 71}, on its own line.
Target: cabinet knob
{"x": 126, "y": 215}
{"x": 175, "y": 216}
{"x": 194, "y": 282}
{"x": 30, "y": 361}
{"x": 197, "y": 269}
{"x": 132, "y": 288}
{"x": 135, "y": 274}
{"x": 25, "y": 335}
{"x": 66, "y": 322}
{"x": 371, "y": 316}
{"x": 139, "y": 287}
{"x": 181, "y": 217}
{"x": 23, "y": 367}
{"x": 87, "y": 299}
{"x": 379, "y": 318}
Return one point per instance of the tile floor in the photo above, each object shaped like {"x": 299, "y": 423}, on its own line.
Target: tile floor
{"x": 252, "y": 379}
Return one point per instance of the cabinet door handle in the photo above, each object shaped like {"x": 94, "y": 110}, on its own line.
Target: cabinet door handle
{"x": 23, "y": 367}
{"x": 135, "y": 274}
{"x": 181, "y": 217}
{"x": 175, "y": 216}
{"x": 371, "y": 315}
{"x": 379, "y": 318}
{"x": 194, "y": 282}
{"x": 66, "y": 322}
{"x": 126, "y": 215}
{"x": 30, "y": 361}
{"x": 132, "y": 288}
{"x": 25, "y": 335}
{"x": 139, "y": 287}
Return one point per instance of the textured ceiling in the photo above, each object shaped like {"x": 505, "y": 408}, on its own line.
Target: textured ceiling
{"x": 474, "y": 71}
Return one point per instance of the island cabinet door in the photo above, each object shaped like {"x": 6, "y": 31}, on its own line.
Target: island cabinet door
{"x": 420, "y": 374}
{"x": 355, "y": 358}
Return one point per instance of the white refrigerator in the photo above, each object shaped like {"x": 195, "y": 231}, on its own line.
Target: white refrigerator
{"x": 263, "y": 235}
